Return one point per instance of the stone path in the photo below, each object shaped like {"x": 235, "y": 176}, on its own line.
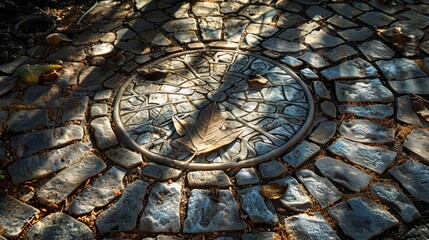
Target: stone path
{"x": 316, "y": 90}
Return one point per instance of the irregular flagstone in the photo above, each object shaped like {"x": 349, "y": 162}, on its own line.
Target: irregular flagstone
{"x": 14, "y": 216}
{"x": 366, "y": 131}
{"x": 124, "y": 157}
{"x": 416, "y": 86}
{"x": 367, "y": 90}
{"x": 139, "y": 25}
{"x": 376, "y": 111}
{"x": 291, "y": 61}
{"x": 418, "y": 232}
{"x": 101, "y": 192}
{"x": 65, "y": 182}
{"x": 204, "y": 179}
{"x": 104, "y": 135}
{"x": 87, "y": 37}
{"x": 413, "y": 176}
{"x": 301, "y": 153}
{"x": 356, "y": 34}
{"x": 343, "y": 174}
{"x": 246, "y": 176}
{"x": 320, "y": 39}
{"x": 98, "y": 110}
{"x": 289, "y": 6}
{"x": 204, "y": 9}
{"x": 321, "y": 91}
{"x": 328, "y": 109}
{"x": 314, "y": 60}
{"x": 94, "y": 75}
{"x": 28, "y": 119}
{"x": 294, "y": 198}
{"x": 324, "y": 132}
{"x": 361, "y": 218}
{"x": 396, "y": 200}
{"x": 234, "y": 29}
{"x": 60, "y": 226}
{"x": 211, "y": 28}
{"x": 74, "y": 108}
{"x": 305, "y": 226}
{"x": 156, "y": 38}
{"x": 42, "y": 165}
{"x": 272, "y": 169}
{"x": 376, "y": 19}
{"x": 27, "y": 144}
{"x": 309, "y": 74}
{"x": 9, "y": 67}
{"x": 374, "y": 158}
{"x": 101, "y": 49}
{"x": 70, "y": 73}
{"x": 162, "y": 213}
{"x": 317, "y": 13}
{"x": 387, "y": 7}
{"x": 160, "y": 172}
{"x": 418, "y": 142}
{"x": 186, "y": 36}
{"x": 259, "y": 13}
{"x": 187, "y": 24}
{"x": 231, "y": 6}
{"x": 259, "y": 209}
{"x": 287, "y": 20}
{"x": 68, "y": 53}
{"x": 375, "y": 50}
{"x": 282, "y": 46}
{"x": 122, "y": 216}
{"x": 345, "y": 9}
{"x": 259, "y": 236}
{"x": 179, "y": 10}
{"x": 353, "y": 69}
{"x": 320, "y": 188}
{"x": 43, "y": 96}
{"x": 206, "y": 215}
{"x": 400, "y": 69}
{"x": 339, "y": 53}
{"x": 6, "y": 84}
{"x": 133, "y": 46}
{"x": 262, "y": 30}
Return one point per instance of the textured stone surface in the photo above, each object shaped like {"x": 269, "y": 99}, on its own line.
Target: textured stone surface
{"x": 376, "y": 111}
{"x": 413, "y": 176}
{"x": 246, "y": 176}
{"x": 361, "y": 218}
{"x": 343, "y": 174}
{"x": 320, "y": 39}
{"x": 294, "y": 198}
{"x": 206, "y": 215}
{"x": 301, "y": 153}
{"x": 15, "y": 215}
{"x": 374, "y": 158}
{"x": 397, "y": 200}
{"x": 124, "y": 157}
{"x": 272, "y": 169}
{"x": 415, "y": 85}
{"x": 400, "y": 69}
{"x": 259, "y": 209}
{"x": 339, "y": 53}
{"x": 353, "y": 69}
{"x": 320, "y": 188}
{"x": 375, "y": 50}
{"x": 204, "y": 179}
{"x": 65, "y": 182}
{"x": 356, "y": 34}
{"x": 366, "y": 131}
{"x": 102, "y": 191}
{"x": 418, "y": 142}
{"x": 321, "y": 91}
{"x": 305, "y": 226}
{"x": 28, "y": 119}
{"x": 324, "y": 132}
{"x": 328, "y": 109}
{"x": 376, "y": 19}
{"x": 187, "y": 24}
{"x": 370, "y": 90}
{"x": 259, "y": 13}
{"x": 6, "y": 84}
{"x": 74, "y": 108}
{"x": 313, "y": 60}
{"x": 162, "y": 213}
{"x": 104, "y": 135}
{"x": 291, "y": 61}
{"x": 160, "y": 172}
{"x": 68, "y": 53}
{"x": 259, "y": 236}
{"x": 94, "y": 75}
{"x": 282, "y": 46}
{"x": 406, "y": 114}
{"x": 122, "y": 216}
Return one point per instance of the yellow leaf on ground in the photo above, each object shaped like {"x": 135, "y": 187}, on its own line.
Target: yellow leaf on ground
{"x": 31, "y": 73}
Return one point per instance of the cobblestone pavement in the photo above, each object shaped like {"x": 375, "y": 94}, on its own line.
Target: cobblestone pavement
{"x": 318, "y": 94}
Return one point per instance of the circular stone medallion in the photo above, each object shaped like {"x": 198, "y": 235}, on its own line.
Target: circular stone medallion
{"x": 213, "y": 109}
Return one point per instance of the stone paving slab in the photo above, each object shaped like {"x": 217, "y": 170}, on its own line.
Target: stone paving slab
{"x": 259, "y": 209}
{"x": 6, "y": 84}
{"x": 418, "y": 142}
{"x": 294, "y": 198}
{"x": 103, "y": 132}
{"x": 365, "y": 131}
{"x": 305, "y": 226}
{"x": 369, "y": 90}
{"x": 324, "y": 132}
{"x": 301, "y": 153}
{"x": 376, "y": 111}
{"x": 352, "y": 69}
{"x": 406, "y": 114}
{"x": 206, "y": 179}
{"x": 28, "y": 119}
{"x": 124, "y": 157}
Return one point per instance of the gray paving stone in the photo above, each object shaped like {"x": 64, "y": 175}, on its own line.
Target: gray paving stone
{"x": 87, "y": 37}
{"x": 259, "y": 13}
{"x": 324, "y": 132}
{"x": 103, "y": 133}
{"x": 321, "y": 91}
{"x": 98, "y": 110}
{"x": 314, "y": 60}
{"x": 206, "y": 179}
{"x": 246, "y": 176}
{"x": 260, "y": 236}
{"x": 160, "y": 172}
{"x": 356, "y": 34}
{"x": 15, "y": 215}
{"x": 108, "y": 26}
{"x": 305, "y": 226}
{"x": 396, "y": 200}
{"x": 320, "y": 39}
{"x": 287, "y": 20}
{"x": 9, "y": 67}
{"x": 129, "y": 66}
{"x": 374, "y": 158}
{"x": 234, "y": 29}
{"x": 318, "y": 13}
{"x": 413, "y": 177}
{"x": 231, "y": 6}
{"x": 74, "y": 108}
{"x": 409, "y": 28}
{"x": 417, "y": 86}
{"x": 156, "y": 16}
{"x": 301, "y": 153}
{"x": 6, "y": 84}
{"x": 60, "y": 226}
{"x": 162, "y": 212}
{"x": 206, "y": 215}
{"x": 262, "y": 30}
{"x": 294, "y": 198}
{"x": 375, "y": 50}
{"x": 343, "y": 174}
{"x": 101, "y": 192}
{"x": 366, "y": 90}
{"x": 28, "y": 119}
{"x": 30, "y": 143}
{"x": 211, "y": 28}
{"x": 43, "y": 96}
{"x": 124, "y": 157}
{"x": 328, "y": 109}
{"x": 122, "y": 216}
{"x": 320, "y": 188}
{"x": 186, "y": 36}
{"x": 101, "y": 49}
{"x": 365, "y": 131}
{"x": 282, "y": 46}
{"x": 291, "y": 61}
{"x": 289, "y": 6}
{"x": 94, "y": 75}
{"x": 345, "y": 9}
{"x": 204, "y": 9}
{"x": 179, "y": 25}
{"x": 418, "y": 232}
{"x": 70, "y": 73}
{"x": 425, "y": 46}
{"x": 376, "y": 111}
{"x": 37, "y": 51}
{"x": 223, "y": 45}
{"x": 309, "y": 74}
{"x": 272, "y": 169}
{"x": 139, "y": 25}
{"x": 376, "y": 19}
{"x": 400, "y": 69}
{"x": 418, "y": 142}
{"x": 362, "y": 6}
{"x": 179, "y": 10}
{"x": 156, "y": 38}
{"x": 132, "y": 46}
{"x": 39, "y": 166}
{"x": 341, "y": 22}
{"x": 68, "y": 180}
{"x": 352, "y": 69}
{"x": 68, "y": 53}
{"x": 418, "y": 20}
{"x": 259, "y": 209}
{"x": 340, "y": 53}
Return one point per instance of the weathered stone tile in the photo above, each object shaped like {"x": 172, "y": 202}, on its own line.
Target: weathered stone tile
{"x": 320, "y": 188}
{"x": 28, "y": 119}
{"x": 366, "y": 90}
{"x": 361, "y": 218}
{"x": 345, "y": 9}
{"x": 353, "y": 69}
{"x": 206, "y": 215}
{"x": 328, "y": 109}
{"x": 413, "y": 176}
{"x": 204, "y": 9}
{"x": 156, "y": 16}
{"x": 294, "y": 198}
{"x": 272, "y": 169}
{"x": 262, "y": 30}
{"x": 341, "y": 22}
{"x": 259, "y": 13}
{"x": 94, "y": 75}
{"x": 305, "y": 226}
{"x": 291, "y": 61}
{"x": 65, "y": 182}
{"x": 317, "y": 13}
{"x": 339, "y": 53}
{"x": 139, "y": 25}
{"x": 321, "y": 91}
{"x": 246, "y": 176}
{"x": 282, "y": 46}
{"x": 387, "y": 7}
{"x": 68, "y": 53}
{"x": 231, "y": 6}
{"x": 397, "y": 200}
{"x": 234, "y": 29}
{"x": 187, "y": 24}
{"x": 98, "y": 110}
{"x": 74, "y": 108}
{"x": 375, "y": 50}
{"x": 205, "y": 179}
{"x": 289, "y": 6}
{"x": 418, "y": 142}
{"x": 343, "y": 174}
{"x": 259, "y": 209}
{"x": 376, "y": 19}
{"x": 122, "y": 216}
{"x": 416, "y": 85}
{"x": 253, "y": 40}
{"x": 60, "y": 226}
{"x": 70, "y": 73}
{"x": 260, "y": 235}
{"x": 418, "y": 232}
{"x": 42, "y": 165}
{"x": 320, "y": 39}
{"x": 301, "y": 153}
{"x": 43, "y": 96}
{"x": 324, "y": 132}
{"x": 179, "y": 10}
{"x": 365, "y": 131}
{"x": 314, "y": 60}
{"x": 376, "y": 111}
{"x": 132, "y": 46}
{"x": 162, "y": 212}
{"x": 124, "y": 157}
{"x": 6, "y": 84}
{"x": 374, "y": 158}
{"x": 223, "y": 45}
{"x": 356, "y": 34}
{"x": 87, "y": 37}
{"x": 160, "y": 172}
{"x": 15, "y": 215}
{"x": 156, "y": 38}
{"x": 309, "y": 74}
{"x": 104, "y": 135}
{"x": 101, "y": 49}
{"x": 416, "y": 19}
{"x": 9, "y": 68}
{"x": 30, "y": 143}
{"x": 101, "y": 192}
{"x": 211, "y": 27}
{"x": 400, "y": 69}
